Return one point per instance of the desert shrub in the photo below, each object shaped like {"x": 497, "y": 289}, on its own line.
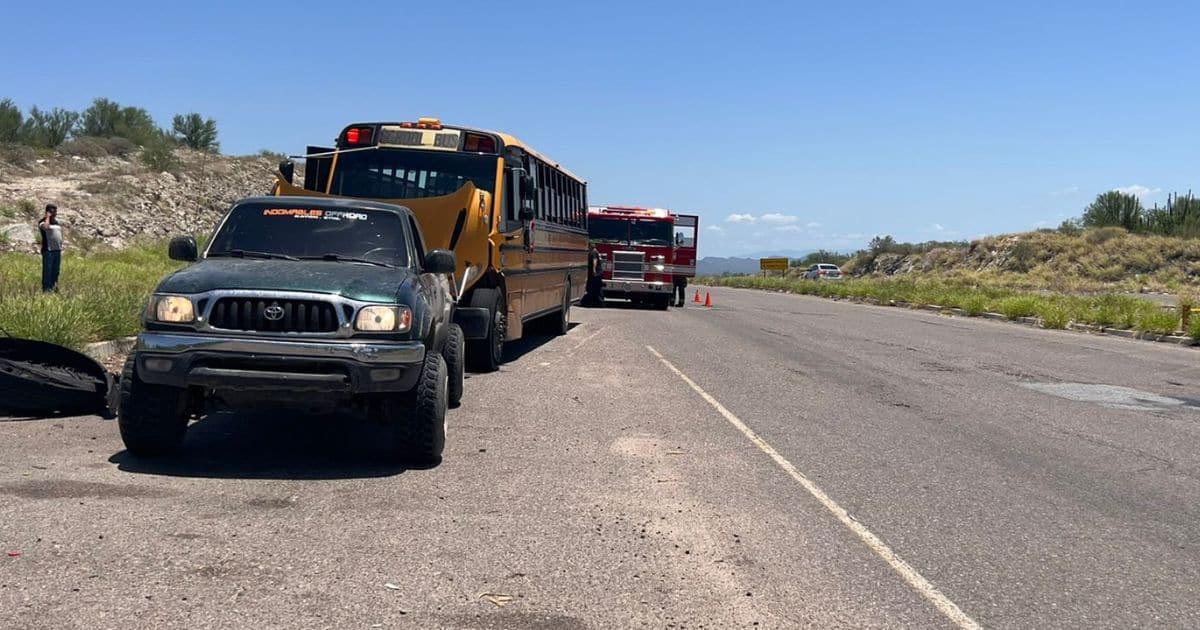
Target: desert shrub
{"x": 974, "y": 304}
{"x": 101, "y": 296}
{"x": 17, "y": 154}
{"x": 83, "y": 147}
{"x": 1157, "y": 320}
{"x": 1018, "y": 306}
{"x": 117, "y": 146}
{"x": 1193, "y": 329}
{"x": 1101, "y": 235}
{"x": 1053, "y": 314}
{"x": 1186, "y": 302}
{"x": 47, "y": 317}
{"x": 159, "y": 155}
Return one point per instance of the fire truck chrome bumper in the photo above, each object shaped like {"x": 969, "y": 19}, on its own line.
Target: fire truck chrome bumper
{"x": 636, "y": 286}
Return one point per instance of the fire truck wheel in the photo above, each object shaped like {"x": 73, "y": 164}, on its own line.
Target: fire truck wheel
{"x": 661, "y": 302}
{"x": 485, "y": 355}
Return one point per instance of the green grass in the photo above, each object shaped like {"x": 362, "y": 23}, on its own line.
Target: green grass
{"x": 101, "y": 295}
{"x": 975, "y": 298}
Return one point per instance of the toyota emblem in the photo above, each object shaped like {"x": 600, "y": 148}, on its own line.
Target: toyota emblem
{"x": 274, "y": 312}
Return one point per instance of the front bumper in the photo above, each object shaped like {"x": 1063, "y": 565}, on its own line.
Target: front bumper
{"x": 278, "y": 365}
{"x": 632, "y": 287}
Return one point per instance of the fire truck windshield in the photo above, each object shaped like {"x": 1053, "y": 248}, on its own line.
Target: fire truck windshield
{"x": 608, "y": 230}
{"x": 650, "y": 233}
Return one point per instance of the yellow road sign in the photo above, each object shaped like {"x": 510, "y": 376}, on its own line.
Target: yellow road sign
{"x": 773, "y": 264}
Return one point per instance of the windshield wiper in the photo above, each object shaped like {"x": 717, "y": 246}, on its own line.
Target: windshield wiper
{"x": 341, "y": 258}
{"x": 245, "y": 253}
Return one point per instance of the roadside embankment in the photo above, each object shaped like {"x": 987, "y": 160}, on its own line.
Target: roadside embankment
{"x": 101, "y": 296}
{"x": 1109, "y": 312}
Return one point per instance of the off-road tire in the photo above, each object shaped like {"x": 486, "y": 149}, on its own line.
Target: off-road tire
{"x": 454, "y": 352}
{"x": 420, "y": 416}
{"x": 661, "y": 302}
{"x": 485, "y": 355}
{"x": 152, "y": 419}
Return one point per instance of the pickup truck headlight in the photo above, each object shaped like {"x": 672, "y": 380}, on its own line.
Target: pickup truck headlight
{"x": 383, "y": 319}
{"x": 173, "y": 309}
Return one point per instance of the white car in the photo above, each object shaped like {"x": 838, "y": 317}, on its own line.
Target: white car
{"x": 823, "y": 271}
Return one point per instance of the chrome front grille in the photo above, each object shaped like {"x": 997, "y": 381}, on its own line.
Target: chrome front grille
{"x": 629, "y": 266}
{"x": 266, "y": 314}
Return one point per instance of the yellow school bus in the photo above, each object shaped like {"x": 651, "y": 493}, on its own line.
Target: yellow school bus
{"x": 516, "y": 220}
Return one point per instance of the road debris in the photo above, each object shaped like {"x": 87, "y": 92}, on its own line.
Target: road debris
{"x": 391, "y": 586}
{"x": 498, "y": 599}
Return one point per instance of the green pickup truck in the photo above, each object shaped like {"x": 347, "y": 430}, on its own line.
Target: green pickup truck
{"x": 317, "y": 303}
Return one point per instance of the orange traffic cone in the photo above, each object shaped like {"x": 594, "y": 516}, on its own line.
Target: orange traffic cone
{"x": 708, "y": 299}
{"x": 696, "y": 299}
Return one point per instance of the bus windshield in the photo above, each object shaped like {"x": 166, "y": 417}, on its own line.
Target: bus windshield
{"x": 650, "y": 233}
{"x": 410, "y": 174}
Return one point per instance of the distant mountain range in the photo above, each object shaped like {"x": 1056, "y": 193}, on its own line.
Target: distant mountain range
{"x": 716, "y": 265}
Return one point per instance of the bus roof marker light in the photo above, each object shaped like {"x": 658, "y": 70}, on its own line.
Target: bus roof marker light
{"x": 358, "y": 135}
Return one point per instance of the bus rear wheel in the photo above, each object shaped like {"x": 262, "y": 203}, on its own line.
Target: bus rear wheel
{"x": 485, "y": 355}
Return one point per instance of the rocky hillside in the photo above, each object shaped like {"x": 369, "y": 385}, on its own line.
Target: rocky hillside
{"x": 110, "y": 201}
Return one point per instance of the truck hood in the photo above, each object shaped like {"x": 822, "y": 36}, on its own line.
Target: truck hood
{"x": 355, "y": 281}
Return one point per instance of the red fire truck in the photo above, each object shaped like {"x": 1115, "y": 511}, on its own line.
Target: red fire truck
{"x": 643, "y": 250}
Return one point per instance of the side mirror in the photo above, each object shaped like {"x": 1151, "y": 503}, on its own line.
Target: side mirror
{"x": 440, "y": 261}
{"x": 183, "y": 248}
{"x": 287, "y": 169}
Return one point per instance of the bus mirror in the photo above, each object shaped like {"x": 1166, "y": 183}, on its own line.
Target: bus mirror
{"x": 527, "y": 189}
{"x": 287, "y": 169}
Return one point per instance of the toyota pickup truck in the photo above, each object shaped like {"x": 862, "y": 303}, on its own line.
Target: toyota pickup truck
{"x": 312, "y": 302}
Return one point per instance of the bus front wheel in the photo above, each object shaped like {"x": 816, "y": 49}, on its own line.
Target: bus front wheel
{"x": 485, "y": 355}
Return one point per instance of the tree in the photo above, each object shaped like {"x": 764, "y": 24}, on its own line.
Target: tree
{"x": 196, "y": 132}
{"x": 48, "y": 128}
{"x": 108, "y": 119}
{"x": 882, "y": 244}
{"x": 11, "y": 119}
{"x": 1114, "y": 208}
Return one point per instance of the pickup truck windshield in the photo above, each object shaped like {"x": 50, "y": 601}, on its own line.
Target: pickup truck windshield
{"x": 280, "y": 230}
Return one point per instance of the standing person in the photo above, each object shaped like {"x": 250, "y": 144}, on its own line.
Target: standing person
{"x": 595, "y": 280}
{"x": 52, "y": 241}
{"x": 680, "y": 290}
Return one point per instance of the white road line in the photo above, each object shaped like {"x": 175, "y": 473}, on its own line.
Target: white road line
{"x": 880, "y": 548}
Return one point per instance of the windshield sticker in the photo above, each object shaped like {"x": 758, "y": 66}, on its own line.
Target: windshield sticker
{"x": 313, "y": 213}
{"x": 298, "y": 213}
{"x": 338, "y": 215}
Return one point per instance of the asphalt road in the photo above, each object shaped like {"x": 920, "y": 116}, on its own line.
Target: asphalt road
{"x": 989, "y": 474}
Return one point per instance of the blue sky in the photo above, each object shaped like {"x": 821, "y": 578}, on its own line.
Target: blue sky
{"x": 816, "y": 125}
